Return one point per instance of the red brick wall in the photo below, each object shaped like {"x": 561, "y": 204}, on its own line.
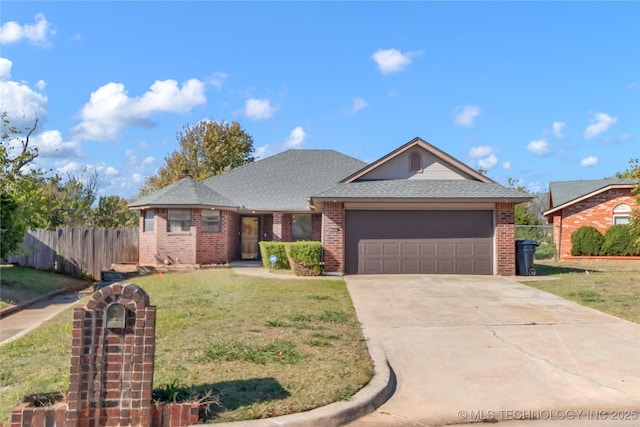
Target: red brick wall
{"x": 267, "y": 228}
{"x": 596, "y": 211}
{"x": 147, "y": 244}
{"x": 333, "y": 241}
{"x": 213, "y": 247}
{"x": 282, "y": 225}
{"x": 316, "y": 227}
{"x": 505, "y": 239}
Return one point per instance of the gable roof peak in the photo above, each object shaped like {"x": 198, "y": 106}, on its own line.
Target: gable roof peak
{"x": 445, "y": 158}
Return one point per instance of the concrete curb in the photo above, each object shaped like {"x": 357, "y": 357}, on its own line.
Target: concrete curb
{"x": 367, "y": 400}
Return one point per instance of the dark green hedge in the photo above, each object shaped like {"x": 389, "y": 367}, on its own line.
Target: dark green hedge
{"x": 586, "y": 241}
{"x": 303, "y": 258}
{"x": 274, "y": 248}
{"x": 617, "y": 241}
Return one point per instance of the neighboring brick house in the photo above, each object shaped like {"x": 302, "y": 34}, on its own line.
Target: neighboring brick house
{"x": 415, "y": 210}
{"x": 596, "y": 203}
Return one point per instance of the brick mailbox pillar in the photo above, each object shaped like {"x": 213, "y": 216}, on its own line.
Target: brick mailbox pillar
{"x": 112, "y": 356}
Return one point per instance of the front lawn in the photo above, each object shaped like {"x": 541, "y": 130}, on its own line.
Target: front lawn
{"x": 263, "y": 347}
{"x": 19, "y": 284}
{"x": 612, "y": 287}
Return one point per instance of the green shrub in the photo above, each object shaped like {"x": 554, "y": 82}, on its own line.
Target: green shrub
{"x": 618, "y": 241}
{"x": 586, "y": 241}
{"x": 274, "y": 248}
{"x": 305, "y": 258}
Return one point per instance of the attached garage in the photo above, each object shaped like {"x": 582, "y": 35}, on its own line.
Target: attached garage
{"x": 419, "y": 242}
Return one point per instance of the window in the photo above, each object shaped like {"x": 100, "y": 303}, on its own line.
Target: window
{"x": 621, "y": 214}
{"x": 179, "y": 220}
{"x": 149, "y": 215}
{"x": 210, "y": 221}
{"x": 301, "y": 228}
{"x": 415, "y": 163}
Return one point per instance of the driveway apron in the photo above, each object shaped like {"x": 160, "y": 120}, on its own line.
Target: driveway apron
{"x": 472, "y": 348}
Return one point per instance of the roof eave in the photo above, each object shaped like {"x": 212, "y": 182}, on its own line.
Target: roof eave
{"x": 586, "y": 196}
{"x": 182, "y": 206}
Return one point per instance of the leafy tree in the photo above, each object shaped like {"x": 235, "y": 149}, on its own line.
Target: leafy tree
{"x": 12, "y": 164}
{"x": 633, "y": 172}
{"x": 112, "y": 212}
{"x": 206, "y": 149}
{"x": 11, "y": 227}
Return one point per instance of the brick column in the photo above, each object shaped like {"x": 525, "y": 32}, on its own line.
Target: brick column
{"x": 111, "y": 374}
{"x": 277, "y": 226}
{"x": 505, "y": 239}
{"x": 333, "y": 237}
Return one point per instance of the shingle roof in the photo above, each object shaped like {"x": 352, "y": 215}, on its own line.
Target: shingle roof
{"x": 562, "y": 192}
{"x": 185, "y": 192}
{"x": 286, "y": 180}
{"x": 424, "y": 190}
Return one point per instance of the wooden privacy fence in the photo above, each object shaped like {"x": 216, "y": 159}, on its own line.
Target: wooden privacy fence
{"x": 78, "y": 251}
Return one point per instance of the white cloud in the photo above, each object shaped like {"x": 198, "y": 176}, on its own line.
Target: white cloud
{"x": 480, "y": 151}
{"x": 217, "y": 79}
{"x": 488, "y": 162}
{"x": 539, "y": 147}
{"x": 589, "y": 161}
{"x": 111, "y": 171}
{"x": 296, "y": 138}
{"x": 137, "y": 178}
{"x": 110, "y": 109}
{"x": 485, "y": 156}
{"x": 37, "y": 33}
{"x": 51, "y": 145}
{"x": 21, "y": 103}
{"x": 5, "y": 68}
{"x": 263, "y": 151}
{"x": 392, "y": 60}
{"x": 148, "y": 161}
{"x": 558, "y": 127}
{"x": 506, "y": 165}
{"x": 65, "y": 167}
{"x": 258, "y": 109}
{"x": 357, "y": 104}
{"x": 466, "y": 115}
{"x": 599, "y": 123}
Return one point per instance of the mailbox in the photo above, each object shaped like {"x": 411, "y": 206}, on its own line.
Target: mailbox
{"x": 116, "y": 316}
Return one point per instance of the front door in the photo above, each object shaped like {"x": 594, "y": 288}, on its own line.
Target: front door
{"x": 249, "y": 233}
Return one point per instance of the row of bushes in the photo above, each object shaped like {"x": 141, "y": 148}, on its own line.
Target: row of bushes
{"x": 618, "y": 240}
{"x": 304, "y": 258}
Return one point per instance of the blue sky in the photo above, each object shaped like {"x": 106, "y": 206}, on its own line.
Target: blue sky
{"x": 533, "y": 91}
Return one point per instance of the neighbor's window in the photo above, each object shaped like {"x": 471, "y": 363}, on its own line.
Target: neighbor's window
{"x": 621, "y": 214}
{"x": 179, "y": 220}
{"x": 301, "y": 228}
{"x": 149, "y": 215}
{"x": 415, "y": 163}
{"x": 210, "y": 221}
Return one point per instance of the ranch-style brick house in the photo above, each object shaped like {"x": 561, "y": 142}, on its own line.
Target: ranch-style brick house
{"x": 415, "y": 210}
{"x": 597, "y": 203}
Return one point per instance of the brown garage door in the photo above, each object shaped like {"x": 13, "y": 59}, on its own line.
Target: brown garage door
{"x": 427, "y": 242}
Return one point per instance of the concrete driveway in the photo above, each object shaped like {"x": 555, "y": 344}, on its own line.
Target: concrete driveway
{"x": 468, "y": 348}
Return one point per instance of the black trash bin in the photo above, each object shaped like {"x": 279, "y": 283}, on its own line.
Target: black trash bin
{"x": 525, "y": 249}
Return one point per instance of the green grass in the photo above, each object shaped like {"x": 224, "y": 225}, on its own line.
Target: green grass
{"x": 18, "y": 284}
{"x": 262, "y": 347}
{"x": 612, "y": 287}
